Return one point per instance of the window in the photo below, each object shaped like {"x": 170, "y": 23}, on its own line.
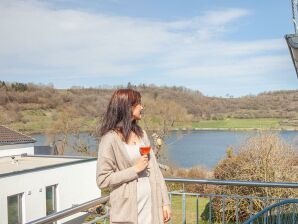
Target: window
{"x": 51, "y": 199}
{"x": 14, "y": 209}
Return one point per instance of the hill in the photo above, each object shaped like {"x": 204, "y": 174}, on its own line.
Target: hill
{"x": 34, "y": 108}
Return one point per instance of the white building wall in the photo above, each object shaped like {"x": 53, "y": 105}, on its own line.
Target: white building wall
{"x": 16, "y": 149}
{"x": 76, "y": 184}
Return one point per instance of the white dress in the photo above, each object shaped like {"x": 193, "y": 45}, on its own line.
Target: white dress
{"x": 143, "y": 186}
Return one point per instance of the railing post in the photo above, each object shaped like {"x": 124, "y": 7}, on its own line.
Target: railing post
{"x": 197, "y": 209}
{"x": 250, "y": 207}
{"x": 278, "y": 210}
{"x": 183, "y": 208}
{"x": 223, "y": 209}
{"x": 210, "y": 209}
{"x": 237, "y": 204}
{"x": 171, "y": 220}
{"x": 293, "y": 213}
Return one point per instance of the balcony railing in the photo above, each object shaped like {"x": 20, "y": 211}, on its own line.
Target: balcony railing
{"x": 71, "y": 211}
{"x": 187, "y": 207}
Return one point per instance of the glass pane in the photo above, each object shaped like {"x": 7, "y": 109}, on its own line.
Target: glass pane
{"x": 50, "y": 199}
{"x": 14, "y": 209}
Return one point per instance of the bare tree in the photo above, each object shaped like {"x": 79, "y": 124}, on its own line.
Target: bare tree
{"x": 65, "y": 122}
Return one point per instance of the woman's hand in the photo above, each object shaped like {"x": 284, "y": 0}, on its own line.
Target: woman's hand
{"x": 142, "y": 163}
{"x": 166, "y": 213}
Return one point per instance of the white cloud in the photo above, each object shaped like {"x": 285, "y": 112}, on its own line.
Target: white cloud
{"x": 40, "y": 40}
{"x": 217, "y": 18}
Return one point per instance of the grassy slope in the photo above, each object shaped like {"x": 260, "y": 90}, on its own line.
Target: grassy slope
{"x": 38, "y": 121}
{"x": 34, "y": 121}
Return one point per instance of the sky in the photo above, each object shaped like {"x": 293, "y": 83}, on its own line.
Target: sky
{"x": 220, "y": 47}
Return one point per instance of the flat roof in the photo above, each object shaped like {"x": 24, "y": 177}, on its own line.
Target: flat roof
{"x": 15, "y": 165}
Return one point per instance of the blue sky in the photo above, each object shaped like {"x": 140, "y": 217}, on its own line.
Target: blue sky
{"x": 217, "y": 47}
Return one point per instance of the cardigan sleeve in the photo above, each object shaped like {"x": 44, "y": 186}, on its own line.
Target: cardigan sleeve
{"x": 164, "y": 189}
{"x": 107, "y": 174}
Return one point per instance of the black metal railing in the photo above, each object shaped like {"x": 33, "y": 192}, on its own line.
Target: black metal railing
{"x": 283, "y": 212}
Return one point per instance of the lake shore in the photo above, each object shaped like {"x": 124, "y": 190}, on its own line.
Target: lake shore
{"x": 27, "y": 132}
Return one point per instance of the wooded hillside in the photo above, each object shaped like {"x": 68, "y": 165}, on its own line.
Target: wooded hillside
{"x": 22, "y": 103}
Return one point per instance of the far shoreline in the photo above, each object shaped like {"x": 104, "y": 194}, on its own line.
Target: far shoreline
{"x": 235, "y": 129}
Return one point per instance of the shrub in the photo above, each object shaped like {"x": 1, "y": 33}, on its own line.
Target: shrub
{"x": 194, "y": 172}
{"x": 264, "y": 157}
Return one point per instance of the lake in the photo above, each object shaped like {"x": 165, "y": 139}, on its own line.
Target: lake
{"x": 190, "y": 148}
{"x": 207, "y": 148}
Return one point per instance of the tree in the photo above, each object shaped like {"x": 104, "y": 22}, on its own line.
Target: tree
{"x": 159, "y": 118}
{"x": 21, "y": 87}
{"x": 65, "y": 122}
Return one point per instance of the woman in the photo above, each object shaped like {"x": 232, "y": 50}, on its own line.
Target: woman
{"x": 138, "y": 193}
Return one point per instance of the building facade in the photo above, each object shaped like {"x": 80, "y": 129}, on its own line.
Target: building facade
{"x": 34, "y": 186}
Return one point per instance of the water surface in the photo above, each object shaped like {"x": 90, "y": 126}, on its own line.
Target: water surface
{"x": 187, "y": 149}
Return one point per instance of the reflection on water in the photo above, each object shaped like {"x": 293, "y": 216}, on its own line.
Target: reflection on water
{"x": 187, "y": 149}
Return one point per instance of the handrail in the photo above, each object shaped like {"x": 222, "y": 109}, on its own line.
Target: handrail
{"x": 70, "y": 211}
{"x": 234, "y": 182}
{"x": 290, "y": 201}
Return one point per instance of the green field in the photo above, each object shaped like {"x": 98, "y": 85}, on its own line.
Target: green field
{"x": 191, "y": 212}
{"x": 232, "y": 123}
{"x": 39, "y": 121}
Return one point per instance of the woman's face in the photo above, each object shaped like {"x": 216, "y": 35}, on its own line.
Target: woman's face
{"x": 137, "y": 112}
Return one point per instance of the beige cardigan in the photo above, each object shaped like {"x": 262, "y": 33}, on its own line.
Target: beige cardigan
{"x": 115, "y": 170}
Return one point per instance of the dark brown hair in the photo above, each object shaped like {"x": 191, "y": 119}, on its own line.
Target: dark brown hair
{"x": 118, "y": 116}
